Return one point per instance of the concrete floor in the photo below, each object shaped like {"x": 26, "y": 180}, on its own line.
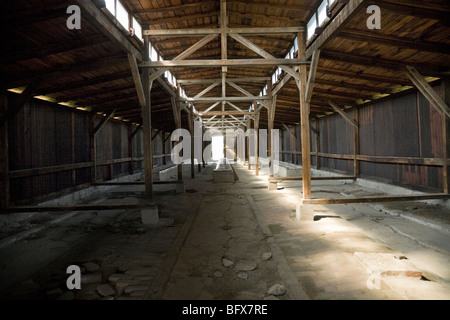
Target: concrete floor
{"x": 231, "y": 241}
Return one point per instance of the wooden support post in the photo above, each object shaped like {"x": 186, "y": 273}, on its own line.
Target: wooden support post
{"x": 446, "y": 138}
{"x": 147, "y": 125}
{"x": 191, "y": 130}
{"x": 256, "y": 141}
{"x": 102, "y": 123}
{"x": 72, "y": 142}
{"x": 343, "y": 114}
{"x": 317, "y": 144}
{"x": 249, "y": 123}
{"x": 4, "y": 153}
{"x": 270, "y": 121}
{"x": 436, "y": 101}
{"x": 163, "y": 143}
{"x": 292, "y": 141}
{"x": 203, "y": 145}
{"x": 22, "y": 100}
{"x": 180, "y": 166}
{"x": 130, "y": 149}
{"x": 304, "y": 118}
{"x": 155, "y": 134}
{"x": 93, "y": 149}
{"x": 356, "y": 145}
{"x": 198, "y": 136}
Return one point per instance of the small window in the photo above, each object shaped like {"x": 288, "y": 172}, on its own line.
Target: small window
{"x": 137, "y": 29}
{"x": 312, "y": 25}
{"x": 322, "y": 12}
{"x": 122, "y": 15}
{"x": 153, "y": 54}
{"x": 111, "y": 6}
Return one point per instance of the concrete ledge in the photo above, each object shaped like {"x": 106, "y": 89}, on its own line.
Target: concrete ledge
{"x": 169, "y": 173}
{"x": 84, "y": 193}
{"x": 375, "y": 199}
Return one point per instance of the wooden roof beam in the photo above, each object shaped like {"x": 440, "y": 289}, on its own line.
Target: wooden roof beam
{"x": 440, "y": 12}
{"x": 207, "y": 81}
{"x": 182, "y": 7}
{"x": 221, "y": 63}
{"x": 208, "y": 31}
{"x": 95, "y": 16}
{"x": 398, "y": 42}
{"x": 344, "y": 16}
{"x": 85, "y": 83}
{"x": 362, "y": 76}
{"x": 429, "y": 69}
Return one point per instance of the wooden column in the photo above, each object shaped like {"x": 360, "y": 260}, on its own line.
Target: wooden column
{"x": 130, "y": 149}
{"x": 270, "y": 120}
{"x": 72, "y": 138}
{"x": 304, "y": 119}
{"x": 147, "y": 125}
{"x": 163, "y": 142}
{"x": 180, "y": 166}
{"x": 446, "y": 138}
{"x": 317, "y": 144}
{"x": 191, "y": 130}
{"x": 356, "y": 145}
{"x": 93, "y": 148}
{"x": 256, "y": 141}
{"x": 203, "y": 145}
{"x": 4, "y": 153}
{"x": 249, "y": 124}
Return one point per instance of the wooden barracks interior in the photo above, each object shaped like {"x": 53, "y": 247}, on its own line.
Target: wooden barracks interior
{"x": 315, "y": 160}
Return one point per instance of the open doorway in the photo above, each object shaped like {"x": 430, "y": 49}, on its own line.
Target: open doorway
{"x": 217, "y": 147}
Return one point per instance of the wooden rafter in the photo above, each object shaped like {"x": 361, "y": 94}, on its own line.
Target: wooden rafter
{"x": 437, "y": 102}
{"x": 343, "y": 114}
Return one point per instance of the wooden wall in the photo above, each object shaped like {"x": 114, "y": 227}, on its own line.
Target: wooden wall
{"x": 50, "y": 150}
{"x": 405, "y": 127}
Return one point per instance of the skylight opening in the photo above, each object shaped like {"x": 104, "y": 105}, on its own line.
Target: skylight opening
{"x": 311, "y": 27}
{"x": 137, "y": 29}
{"x": 153, "y": 54}
{"x": 111, "y": 6}
{"x": 122, "y": 15}
{"x": 322, "y": 12}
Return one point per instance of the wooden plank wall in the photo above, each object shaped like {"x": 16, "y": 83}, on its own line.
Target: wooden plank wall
{"x": 404, "y": 126}
{"x": 45, "y": 135}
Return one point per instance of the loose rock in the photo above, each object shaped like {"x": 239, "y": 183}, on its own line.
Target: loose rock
{"x": 105, "y": 290}
{"x": 276, "y": 290}
{"x": 245, "y": 265}
{"x": 266, "y": 255}
{"x": 243, "y": 275}
{"x": 91, "y": 278}
{"x": 218, "y": 274}
{"x": 91, "y": 266}
{"x": 227, "y": 263}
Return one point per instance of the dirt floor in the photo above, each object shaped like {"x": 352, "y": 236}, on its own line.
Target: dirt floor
{"x": 230, "y": 241}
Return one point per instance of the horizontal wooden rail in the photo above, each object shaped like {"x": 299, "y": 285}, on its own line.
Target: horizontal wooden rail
{"x": 47, "y": 170}
{"x": 87, "y": 207}
{"x": 377, "y": 199}
{"x": 437, "y": 162}
{"x": 312, "y": 178}
{"x": 134, "y": 183}
{"x": 23, "y": 173}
